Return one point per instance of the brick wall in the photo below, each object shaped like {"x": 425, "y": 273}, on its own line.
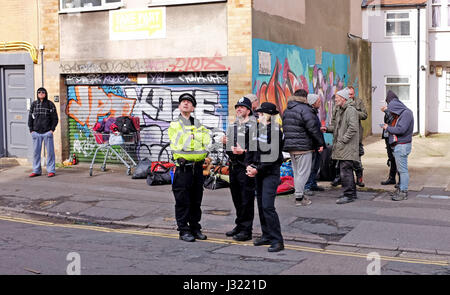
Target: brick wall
{"x": 239, "y": 44}
{"x": 49, "y": 37}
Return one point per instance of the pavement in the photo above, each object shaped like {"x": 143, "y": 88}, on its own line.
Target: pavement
{"x": 420, "y": 224}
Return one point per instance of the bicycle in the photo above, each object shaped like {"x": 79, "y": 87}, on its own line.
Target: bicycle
{"x": 216, "y": 151}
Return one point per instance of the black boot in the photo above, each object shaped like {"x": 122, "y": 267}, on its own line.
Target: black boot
{"x": 388, "y": 181}
{"x": 336, "y": 181}
{"x": 359, "y": 182}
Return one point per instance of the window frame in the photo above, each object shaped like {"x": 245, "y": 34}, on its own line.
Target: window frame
{"x": 445, "y": 16}
{"x": 104, "y": 6}
{"x": 386, "y": 20}
{"x": 447, "y": 90}
{"x": 181, "y": 2}
{"x": 440, "y": 5}
{"x": 386, "y": 84}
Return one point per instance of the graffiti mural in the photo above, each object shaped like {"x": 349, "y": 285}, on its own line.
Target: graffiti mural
{"x": 295, "y": 68}
{"x": 155, "y": 105}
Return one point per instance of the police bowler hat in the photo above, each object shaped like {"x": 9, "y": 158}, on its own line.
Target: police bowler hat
{"x": 245, "y": 102}
{"x": 188, "y": 97}
{"x": 268, "y": 108}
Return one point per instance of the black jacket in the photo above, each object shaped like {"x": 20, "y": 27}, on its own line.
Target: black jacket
{"x": 43, "y": 116}
{"x": 301, "y": 126}
{"x": 262, "y": 159}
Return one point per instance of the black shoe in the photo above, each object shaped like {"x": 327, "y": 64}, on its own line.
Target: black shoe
{"x": 276, "y": 247}
{"x": 232, "y": 232}
{"x": 242, "y": 237}
{"x": 345, "y": 200}
{"x": 360, "y": 182}
{"x": 199, "y": 236}
{"x": 336, "y": 181}
{"x": 261, "y": 242}
{"x": 317, "y": 189}
{"x": 187, "y": 237}
{"x": 388, "y": 181}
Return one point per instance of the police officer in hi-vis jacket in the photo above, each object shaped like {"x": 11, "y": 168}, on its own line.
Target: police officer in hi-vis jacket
{"x": 188, "y": 141}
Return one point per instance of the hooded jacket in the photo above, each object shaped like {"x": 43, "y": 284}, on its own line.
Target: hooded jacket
{"x": 300, "y": 126}
{"x": 43, "y": 116}
{"x": 403, "y": 128}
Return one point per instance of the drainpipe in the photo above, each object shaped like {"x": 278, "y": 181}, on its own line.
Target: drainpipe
{"x": 418, "y": 70}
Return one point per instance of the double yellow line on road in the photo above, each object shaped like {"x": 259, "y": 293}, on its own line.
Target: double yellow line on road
{"x": 220, "y": 241}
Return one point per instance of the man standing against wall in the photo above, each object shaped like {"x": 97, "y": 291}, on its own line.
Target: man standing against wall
{"x": 345, "y": 143}
{"x": 42, "y": 122}
{"x": 242, "y": 187}
{"x": 302, "y": 138}
{"x": 188, "y": 141}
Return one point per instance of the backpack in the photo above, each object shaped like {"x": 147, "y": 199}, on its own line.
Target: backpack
{"x": 125, "y": 125}
{"x": 286, "y": 186}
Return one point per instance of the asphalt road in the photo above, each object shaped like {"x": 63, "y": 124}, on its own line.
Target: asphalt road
{"x": 32, "y": 246}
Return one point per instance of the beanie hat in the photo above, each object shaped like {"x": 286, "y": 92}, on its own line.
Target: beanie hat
{"x": 252, "y": 97}
{"x": 312, "y": 98}
{"x": 345, "y": 93}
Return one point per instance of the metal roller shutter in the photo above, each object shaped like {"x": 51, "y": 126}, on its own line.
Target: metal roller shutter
{"x": 155, "y": 105}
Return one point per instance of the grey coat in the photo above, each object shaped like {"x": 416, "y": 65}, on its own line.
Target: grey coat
{"x": 345, "y": 129}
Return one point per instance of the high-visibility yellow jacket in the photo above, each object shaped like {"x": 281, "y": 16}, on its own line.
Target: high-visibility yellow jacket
{"x": 188, "y": 139}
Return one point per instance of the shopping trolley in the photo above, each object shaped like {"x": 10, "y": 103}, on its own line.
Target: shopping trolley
{"x": 109, "y": 140}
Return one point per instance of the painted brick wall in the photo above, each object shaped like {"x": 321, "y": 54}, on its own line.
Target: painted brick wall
{"x": 239, "y": 44}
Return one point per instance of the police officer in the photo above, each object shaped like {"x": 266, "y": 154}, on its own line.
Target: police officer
{"x": 188, "y": 141}
{"x": 264, "y": 164}
{"x": 242, "y": 187}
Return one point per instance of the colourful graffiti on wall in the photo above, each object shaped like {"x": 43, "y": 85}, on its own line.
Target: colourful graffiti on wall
{"x": 299, "y": 71}
{"x": 156, "y": 106}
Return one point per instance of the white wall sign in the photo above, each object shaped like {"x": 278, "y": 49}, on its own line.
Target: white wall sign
{"x": 265, "y": 66}
{"x": 131, "y": 24}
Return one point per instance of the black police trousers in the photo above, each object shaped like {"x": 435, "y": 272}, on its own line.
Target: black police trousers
{"x": 242, "y": 190}
{"x": 187, "y": 188}
{"x": 266, "y": 191}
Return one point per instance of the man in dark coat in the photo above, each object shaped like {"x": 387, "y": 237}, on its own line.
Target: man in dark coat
{"x": 302, "y": 137}
{"x": 42, "y": 122}
{"x": 388, "y": 119}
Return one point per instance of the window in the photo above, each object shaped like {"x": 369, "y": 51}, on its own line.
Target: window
{"x": 88, "y": 5}
{"x": 400, "y": 86}
{"x": 397, "y": 24}
{"x": 447, "y": 96}
{"x": 436, "y": 13}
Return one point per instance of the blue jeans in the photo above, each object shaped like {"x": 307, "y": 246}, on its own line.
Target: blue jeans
{"x": 47, "y": 138}
{"x": 401, "y": 152}
{"x": 312, "y": 180}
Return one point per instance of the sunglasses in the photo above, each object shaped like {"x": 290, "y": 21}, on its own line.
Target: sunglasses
{"x": 41, "y": 92}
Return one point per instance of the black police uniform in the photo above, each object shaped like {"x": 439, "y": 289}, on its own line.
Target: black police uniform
{"x": 267, "y": 182}
{"x": 242, "y": 187}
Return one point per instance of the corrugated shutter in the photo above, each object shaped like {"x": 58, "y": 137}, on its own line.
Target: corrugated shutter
{"x": 155, "y": 105}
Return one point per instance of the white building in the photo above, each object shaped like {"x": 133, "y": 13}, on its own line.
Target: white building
{"x": 410, "y": 56}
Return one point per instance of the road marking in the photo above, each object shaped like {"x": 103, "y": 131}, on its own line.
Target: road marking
{"x": 220, "y": 241}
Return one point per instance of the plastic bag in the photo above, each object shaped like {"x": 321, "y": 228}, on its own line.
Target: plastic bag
{"x": 142, "y": 169}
